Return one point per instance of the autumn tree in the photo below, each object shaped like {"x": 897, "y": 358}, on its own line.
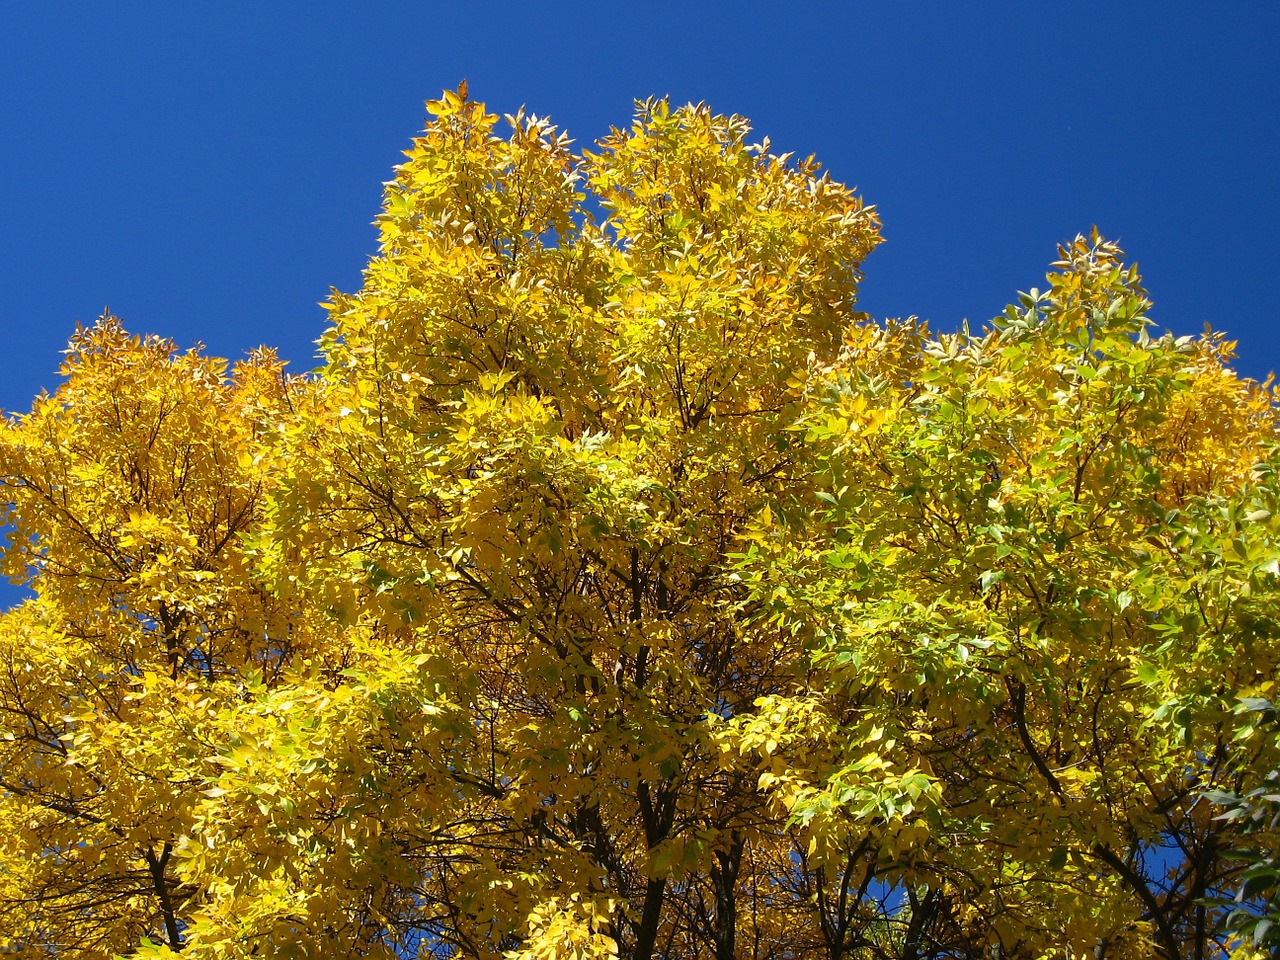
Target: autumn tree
{"x": 129, "y": 492}
{"x": 616, "y": 588}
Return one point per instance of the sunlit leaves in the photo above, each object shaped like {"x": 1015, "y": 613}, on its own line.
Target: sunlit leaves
{"x": 616, "y": 589}
{"x": 1037, "y": 563}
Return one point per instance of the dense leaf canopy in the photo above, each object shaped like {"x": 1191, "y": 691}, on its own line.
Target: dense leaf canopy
{"x": 616, "y": 588}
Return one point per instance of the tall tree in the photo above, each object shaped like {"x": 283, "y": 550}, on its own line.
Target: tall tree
{"x": 1044, "y": 570}
{"x": 615, "y": 588}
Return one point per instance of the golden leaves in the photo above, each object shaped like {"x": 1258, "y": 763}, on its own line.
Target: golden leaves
{"x": 614, "y": 574}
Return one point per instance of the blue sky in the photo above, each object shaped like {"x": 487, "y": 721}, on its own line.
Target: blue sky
{"x": 208, "y": 170}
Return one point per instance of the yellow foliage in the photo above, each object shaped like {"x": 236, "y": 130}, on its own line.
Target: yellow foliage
{"x": 616, "y": 589}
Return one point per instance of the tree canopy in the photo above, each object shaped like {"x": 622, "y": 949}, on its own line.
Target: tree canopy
{"x": 615, "y": 588}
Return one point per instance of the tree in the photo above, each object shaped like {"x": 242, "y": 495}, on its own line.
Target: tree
{"x": 615, "y": 588}
{"x": 129, "y": 491}
{"x": 1045, "y": 569}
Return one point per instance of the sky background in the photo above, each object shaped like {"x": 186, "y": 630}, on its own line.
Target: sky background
{"x": 209, "y": 170}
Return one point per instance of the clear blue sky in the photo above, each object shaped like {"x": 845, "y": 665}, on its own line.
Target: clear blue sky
{"x": 208, "y": 170}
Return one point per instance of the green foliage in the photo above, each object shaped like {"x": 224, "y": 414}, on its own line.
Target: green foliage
{"x": 1255, "y": 809}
